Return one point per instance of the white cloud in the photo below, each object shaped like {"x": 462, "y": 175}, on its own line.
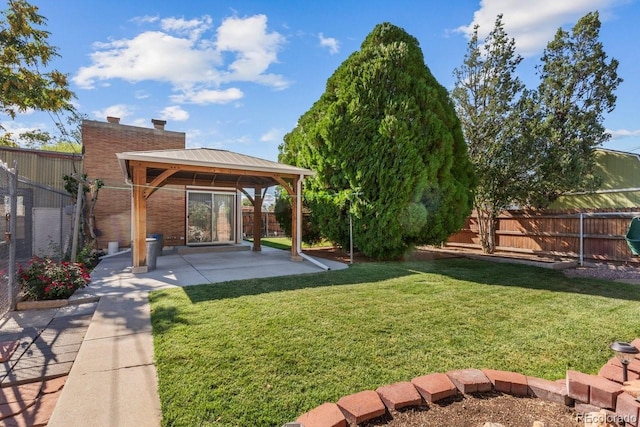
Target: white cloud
{"x": 152, "y": 55}
{"x": 329, "y": 42}
{"x": 193, "y": 28}
{"x": 533, "y": 23}
{"x": 272, "y": 135}
{"x": 16, "y": 128}
{"x": 255, "y": 49}
{"x": 141, "y": 94}
{"x": 147, "y": 19}
{"x": 119, "y": 110}
{"x": 26, "y": 112}
{"x": 184, "y": 54}
{"x": 141, "y": 123}
{"x": 623, "y": 133}
{"x": 174, "y": 112}
{"x": 208, "y": 96}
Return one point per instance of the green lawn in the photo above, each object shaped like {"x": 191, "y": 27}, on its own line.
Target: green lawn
{"x": 261, "y": 352}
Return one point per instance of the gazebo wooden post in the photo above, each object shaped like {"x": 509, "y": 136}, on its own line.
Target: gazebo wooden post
{"x": 295, "y": 256}
{"x": 139, "y": 208}
{"x": 257, "y": 218}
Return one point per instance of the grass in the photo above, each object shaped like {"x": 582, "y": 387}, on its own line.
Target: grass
{"x": 261, "y": 352}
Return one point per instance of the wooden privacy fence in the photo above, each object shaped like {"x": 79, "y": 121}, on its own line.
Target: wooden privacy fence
{"x": 589, "y": 236}
{"x": 270, "y": 225}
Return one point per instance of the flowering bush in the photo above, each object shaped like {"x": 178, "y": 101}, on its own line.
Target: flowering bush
{"x": 44, "y": 279}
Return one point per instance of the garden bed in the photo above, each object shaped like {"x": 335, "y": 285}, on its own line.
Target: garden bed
{"x": 54, "y": 303}
{"x": 477, "y": 409}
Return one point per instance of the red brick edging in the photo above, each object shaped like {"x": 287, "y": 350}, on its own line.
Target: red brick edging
{"x": 589, "y": 393}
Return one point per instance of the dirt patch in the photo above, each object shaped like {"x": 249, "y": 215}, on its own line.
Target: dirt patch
{"x": 340, "y": 255}
{"x": 476, "y": 410}
{"x": 336, "y": 254}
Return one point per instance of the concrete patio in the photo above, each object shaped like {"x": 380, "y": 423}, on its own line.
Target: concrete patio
{"x": 112, "y": 381}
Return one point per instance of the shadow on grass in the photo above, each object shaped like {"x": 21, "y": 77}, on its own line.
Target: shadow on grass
{"x": 364, "y": 273}
{"x": 530, "y": 277}
{"x": 475, "y": 271}
{"x": 165, "y": 318}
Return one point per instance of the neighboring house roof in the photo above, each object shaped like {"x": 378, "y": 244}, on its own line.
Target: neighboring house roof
{"x": 42, "y": 168}
{"x": 208, "y": 164}
{"x": 620, "y": 173}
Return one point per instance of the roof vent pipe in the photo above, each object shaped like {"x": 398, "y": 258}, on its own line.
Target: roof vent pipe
{"x": 158, "y": 124}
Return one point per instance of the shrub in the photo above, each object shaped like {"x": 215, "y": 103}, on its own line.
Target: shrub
{"x": 45, "y": 279}
{"x": 88, "y": 257}
{"x": 310, "y": 233}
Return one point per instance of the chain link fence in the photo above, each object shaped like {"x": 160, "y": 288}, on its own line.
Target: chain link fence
{"x": 43, "y": 221}
{"x": 37, "y": 222}
{"x": 8, "y": 267}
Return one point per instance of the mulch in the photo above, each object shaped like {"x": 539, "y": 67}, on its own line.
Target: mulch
{"x": 478, "y": 409}
{"x": 340, "y": 255}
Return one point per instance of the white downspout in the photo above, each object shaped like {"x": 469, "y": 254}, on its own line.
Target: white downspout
{"x": 299, "y": 227}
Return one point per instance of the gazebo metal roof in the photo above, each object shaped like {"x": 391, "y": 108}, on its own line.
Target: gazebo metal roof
{"x": 198, "y": 166}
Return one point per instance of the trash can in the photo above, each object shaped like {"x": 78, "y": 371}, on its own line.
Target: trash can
{"x": 160, "y": 240}
{"x": 113, "y": 248}
{"x": 152, "y": 253}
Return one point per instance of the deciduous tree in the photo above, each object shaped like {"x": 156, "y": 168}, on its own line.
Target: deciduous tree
{"x": 486, "y": 94}
{"x": 24, "y": 55}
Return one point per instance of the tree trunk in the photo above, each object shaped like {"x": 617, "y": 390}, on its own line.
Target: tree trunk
{"x": 93, "y": 198}
{"x": 487, "y": 229}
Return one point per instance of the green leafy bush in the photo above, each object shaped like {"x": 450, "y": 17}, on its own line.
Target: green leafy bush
{"x": 310, "y": 233}
{"x": 46, "y": 279}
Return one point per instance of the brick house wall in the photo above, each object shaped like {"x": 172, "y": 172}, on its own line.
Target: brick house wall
{"x": 166, "y": 207}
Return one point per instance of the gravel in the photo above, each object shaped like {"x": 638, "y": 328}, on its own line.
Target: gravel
{"x": 606, "y": 272}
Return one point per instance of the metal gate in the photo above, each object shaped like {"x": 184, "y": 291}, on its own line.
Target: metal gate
{"x": 8, "y": 278}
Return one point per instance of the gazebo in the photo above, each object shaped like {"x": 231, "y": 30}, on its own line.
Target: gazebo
{"x": 147, "y": 171}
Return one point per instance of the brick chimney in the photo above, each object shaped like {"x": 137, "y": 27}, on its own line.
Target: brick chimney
{"x": 113, "y": 119}
{"x": 158, "y": 124}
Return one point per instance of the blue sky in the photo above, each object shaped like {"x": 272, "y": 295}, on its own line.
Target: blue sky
{"x": 238, "y": 75}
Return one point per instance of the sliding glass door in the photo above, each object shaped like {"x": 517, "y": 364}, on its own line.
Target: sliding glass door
{"x": 210, "y": 217}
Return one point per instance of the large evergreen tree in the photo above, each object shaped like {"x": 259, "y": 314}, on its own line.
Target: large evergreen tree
{"x": 528, "y": 147}
{"x": 565, "y": 115}
{"x": 387, "y": 148}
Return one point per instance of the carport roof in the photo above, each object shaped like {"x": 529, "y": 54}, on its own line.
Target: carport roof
{"x": 208, "y": 164}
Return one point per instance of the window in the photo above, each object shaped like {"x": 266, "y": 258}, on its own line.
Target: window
{"x": 210, "y": 217}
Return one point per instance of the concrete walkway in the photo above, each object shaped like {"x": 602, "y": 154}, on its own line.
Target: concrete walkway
{"x": 113, "y": 380}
